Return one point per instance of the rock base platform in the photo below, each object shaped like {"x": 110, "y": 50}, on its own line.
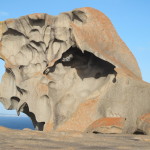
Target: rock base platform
{"x": 35, "y": 140}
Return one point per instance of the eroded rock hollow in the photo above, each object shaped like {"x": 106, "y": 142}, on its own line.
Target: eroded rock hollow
{"x": 72, "y": 72}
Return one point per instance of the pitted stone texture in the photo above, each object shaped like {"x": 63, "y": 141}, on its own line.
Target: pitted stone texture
{"x": 67, "y": 71}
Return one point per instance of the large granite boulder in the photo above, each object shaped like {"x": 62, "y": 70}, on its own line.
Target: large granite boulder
{"x": 72, "y": 72}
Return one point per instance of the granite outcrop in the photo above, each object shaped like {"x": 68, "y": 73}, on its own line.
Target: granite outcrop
{"x": 72, "y": 72}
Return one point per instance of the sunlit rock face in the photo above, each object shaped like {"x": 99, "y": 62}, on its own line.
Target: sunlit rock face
{"x": 67, "y": 71}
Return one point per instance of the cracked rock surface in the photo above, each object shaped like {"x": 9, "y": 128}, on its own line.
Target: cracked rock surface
{"x": 72, "y": 72}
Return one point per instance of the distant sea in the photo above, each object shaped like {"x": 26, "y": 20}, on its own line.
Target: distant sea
{"x": 15, "y": 122}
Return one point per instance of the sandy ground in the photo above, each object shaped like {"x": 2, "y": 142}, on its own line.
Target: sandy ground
{"x": 36, "y": 140}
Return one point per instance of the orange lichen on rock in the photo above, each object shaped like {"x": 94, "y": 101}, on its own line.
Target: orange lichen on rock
{"x": 104, "y": 41}
{"x": 108, "y": 124}
{"x": 36, "y": 16}
{"x": 145, "y": 117}
{"x": 48, "y": 127}
{"x": 83, "y": 117}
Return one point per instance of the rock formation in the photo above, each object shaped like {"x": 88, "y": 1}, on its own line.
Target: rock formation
{"x": 72, "y": 72}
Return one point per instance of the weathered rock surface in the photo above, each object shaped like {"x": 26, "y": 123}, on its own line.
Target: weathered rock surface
{"x": 30, "y": 140}
{"x": 72, "y": 72}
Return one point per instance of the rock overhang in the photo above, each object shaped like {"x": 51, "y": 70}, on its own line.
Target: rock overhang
{"x": 90, "y": 30}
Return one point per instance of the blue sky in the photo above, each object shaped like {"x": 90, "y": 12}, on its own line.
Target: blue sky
{"x": 131, "y": 18}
